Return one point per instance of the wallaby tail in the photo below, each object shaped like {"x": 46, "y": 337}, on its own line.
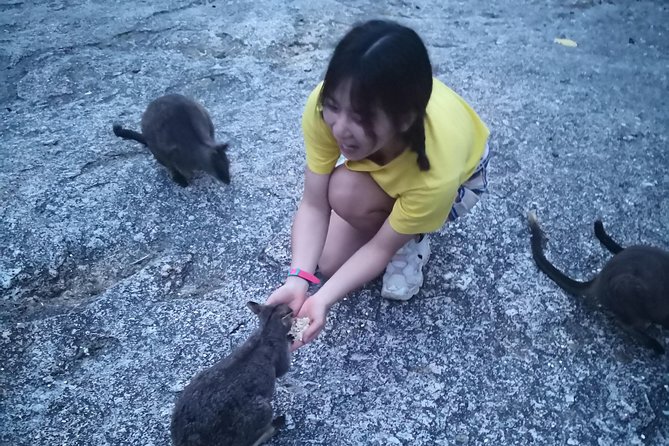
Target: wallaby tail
{"x": 220, "y": 164}
{"x": 569, "y": 285}
{"x": 605, "y": 239}
{"x": 128, "y": 134}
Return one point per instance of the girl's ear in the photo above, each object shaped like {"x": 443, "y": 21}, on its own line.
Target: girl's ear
{"x": 407, "y": 121}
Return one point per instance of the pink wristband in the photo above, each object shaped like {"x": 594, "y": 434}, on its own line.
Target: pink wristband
{"x": 305, "y": 275}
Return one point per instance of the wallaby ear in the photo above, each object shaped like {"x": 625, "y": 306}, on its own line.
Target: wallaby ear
{"x": 254, "y": 306}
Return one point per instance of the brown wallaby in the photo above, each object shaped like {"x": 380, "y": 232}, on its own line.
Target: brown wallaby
{"x": 633, "y": 284}
{"x": 180, "y": 134}
{"x": 230, "y": 402}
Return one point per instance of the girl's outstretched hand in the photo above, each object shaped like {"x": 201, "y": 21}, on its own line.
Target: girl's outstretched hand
{"x": 316, "y": 310}
{"x": 292, "y": 293}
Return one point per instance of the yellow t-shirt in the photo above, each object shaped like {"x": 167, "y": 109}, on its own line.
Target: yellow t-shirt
{"x": 455, "y": 139}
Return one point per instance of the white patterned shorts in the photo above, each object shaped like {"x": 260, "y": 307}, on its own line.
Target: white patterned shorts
{"x": 469, "y": 193}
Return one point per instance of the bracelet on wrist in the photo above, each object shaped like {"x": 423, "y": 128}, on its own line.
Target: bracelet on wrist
{"x": 303, "y": 275}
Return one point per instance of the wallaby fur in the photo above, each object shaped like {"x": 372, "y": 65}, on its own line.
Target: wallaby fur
{"x": 179, "y": 133}
{"x": 230, "y": 402}
{"x": 633, "y": 284}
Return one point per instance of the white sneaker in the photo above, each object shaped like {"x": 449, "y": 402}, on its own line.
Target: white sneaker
{"x": 404, "y": 274}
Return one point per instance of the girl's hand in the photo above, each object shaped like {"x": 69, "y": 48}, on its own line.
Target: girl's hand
{"x": 293, "y": 293}
{"x": 316, "y": 310}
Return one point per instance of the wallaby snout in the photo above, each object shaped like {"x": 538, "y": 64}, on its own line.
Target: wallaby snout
{"x": 220, "y": 163}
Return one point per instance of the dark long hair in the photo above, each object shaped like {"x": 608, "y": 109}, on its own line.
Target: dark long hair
{"x": 389, "y": 67}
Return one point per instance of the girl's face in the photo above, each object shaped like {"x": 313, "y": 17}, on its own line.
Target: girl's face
{"x": 347, "y": 128}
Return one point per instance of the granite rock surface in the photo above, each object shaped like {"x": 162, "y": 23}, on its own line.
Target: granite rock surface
{"x": 117, "y": 285}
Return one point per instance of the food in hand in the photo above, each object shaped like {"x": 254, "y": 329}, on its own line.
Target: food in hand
{"x": 300, "y": 324}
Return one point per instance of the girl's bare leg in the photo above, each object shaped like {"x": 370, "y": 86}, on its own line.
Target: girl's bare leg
{"x": 359, "y": 208}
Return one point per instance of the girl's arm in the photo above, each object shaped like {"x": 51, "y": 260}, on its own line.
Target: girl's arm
{"x": 310, "y": 226}
{"x": 363, "y": 266}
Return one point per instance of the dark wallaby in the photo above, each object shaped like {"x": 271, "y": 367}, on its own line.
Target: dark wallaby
{"x": 230, "y": 402}
{"x": 180, "y": 134}
{"x": 633, "y": 285}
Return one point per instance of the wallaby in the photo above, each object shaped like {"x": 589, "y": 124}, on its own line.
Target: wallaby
{"x": 633, "y": 284}
{"x": 180, "y": 134}
{"x": 230, "y": 402}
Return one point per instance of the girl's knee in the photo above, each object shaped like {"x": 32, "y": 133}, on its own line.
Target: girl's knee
{"x": 340, "y": 189}
{"x": 355, "y": 195}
